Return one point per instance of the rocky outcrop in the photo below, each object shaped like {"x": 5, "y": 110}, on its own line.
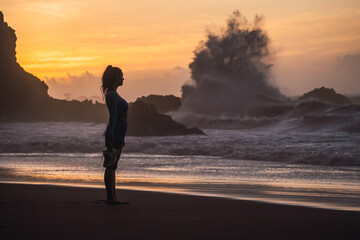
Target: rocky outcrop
{"x": 21, "y": 93}
{"x": 163, "y": 104}
{"x": 325, "y": 95}
{"x": 8, "y": 41}
{"x": 144, "y": 120}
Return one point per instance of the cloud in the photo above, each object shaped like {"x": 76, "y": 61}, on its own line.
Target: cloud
{"x": 74, "y": 87}
{"x": 136, "y": 84}
{"x": 162, "y": 82}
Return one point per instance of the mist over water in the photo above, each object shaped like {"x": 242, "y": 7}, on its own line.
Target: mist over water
{"x": 230, "y": 72}
{"x": 230, "y": 87}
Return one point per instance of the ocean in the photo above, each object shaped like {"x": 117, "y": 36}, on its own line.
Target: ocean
{"x": 271, "y": 163}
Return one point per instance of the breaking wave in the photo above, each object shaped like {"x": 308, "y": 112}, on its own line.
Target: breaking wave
{"x": 305, "y": 116}
{"x": 290, "y": 140}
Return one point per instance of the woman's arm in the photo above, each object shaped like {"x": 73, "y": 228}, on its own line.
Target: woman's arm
{"x": 112, "y": 104}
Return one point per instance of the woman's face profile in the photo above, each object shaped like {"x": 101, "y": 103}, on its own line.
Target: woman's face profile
{"x": 119, "y": 80}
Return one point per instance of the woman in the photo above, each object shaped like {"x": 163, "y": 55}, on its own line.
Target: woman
{"x": 116, "y": 129}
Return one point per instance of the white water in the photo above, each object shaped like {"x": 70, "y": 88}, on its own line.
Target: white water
{"x": 271, "y": 143}
{"x": 220, "y": 163}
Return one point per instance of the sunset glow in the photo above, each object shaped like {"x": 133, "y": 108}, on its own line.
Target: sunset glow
{"x": 149, "y": 38}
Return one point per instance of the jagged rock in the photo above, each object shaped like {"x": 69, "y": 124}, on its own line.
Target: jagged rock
{"x": 24, "y": 97}
{"x": 144, "y": 120}
{"x": 326, "y": 95}
{"x": 163, "y": 104}
{"x": 21, "y": 93}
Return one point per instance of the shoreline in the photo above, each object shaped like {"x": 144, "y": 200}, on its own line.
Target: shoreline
{"x": 190, "y": 192}
{"x": 184, "y": 190}
{"x": 55, "y": 212}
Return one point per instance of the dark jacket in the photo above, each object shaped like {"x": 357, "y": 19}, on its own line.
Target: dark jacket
{"x": 116, "y": 129}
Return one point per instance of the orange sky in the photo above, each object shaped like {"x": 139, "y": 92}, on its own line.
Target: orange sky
{"x": 69, "y": 43}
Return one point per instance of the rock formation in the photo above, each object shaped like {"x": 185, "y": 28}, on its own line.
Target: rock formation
{"x": 20, "y": 92}
{"x": 163, "y": 104}
{"x": 144, "y": 120}
{"x": 326, "y": 95}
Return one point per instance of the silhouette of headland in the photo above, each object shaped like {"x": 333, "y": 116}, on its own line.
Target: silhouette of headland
{"x": 24, "y": 97}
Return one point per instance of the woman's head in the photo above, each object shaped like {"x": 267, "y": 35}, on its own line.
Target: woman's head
{"x": 111, "y": 79}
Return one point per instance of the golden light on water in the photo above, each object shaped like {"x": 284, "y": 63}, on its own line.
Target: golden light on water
{"x": 298, "y": 194}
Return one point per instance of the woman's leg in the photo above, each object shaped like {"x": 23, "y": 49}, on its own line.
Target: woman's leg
{"x": 110, "y": 180}
{"x": 113, "y": 185}
{"x": 114, "y": 175}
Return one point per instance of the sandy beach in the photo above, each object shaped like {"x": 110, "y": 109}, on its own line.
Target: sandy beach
{"x": 57, "y": 212}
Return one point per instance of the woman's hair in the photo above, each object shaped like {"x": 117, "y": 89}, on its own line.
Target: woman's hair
{"x": 109, "y": 78}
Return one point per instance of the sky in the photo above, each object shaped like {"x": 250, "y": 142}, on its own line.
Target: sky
{"x": 69, "y": 43}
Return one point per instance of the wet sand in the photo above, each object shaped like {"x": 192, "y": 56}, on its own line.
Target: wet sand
{"x": 55, "y": 212}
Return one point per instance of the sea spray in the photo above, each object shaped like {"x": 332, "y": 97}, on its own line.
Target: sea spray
{"x": 230, "y": 72}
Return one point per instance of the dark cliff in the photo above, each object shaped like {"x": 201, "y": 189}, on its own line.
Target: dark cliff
{"x": 24, "y": 97}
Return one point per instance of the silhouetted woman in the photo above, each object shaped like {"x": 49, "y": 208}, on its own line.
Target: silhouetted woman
{"x": 116, "y": 129}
